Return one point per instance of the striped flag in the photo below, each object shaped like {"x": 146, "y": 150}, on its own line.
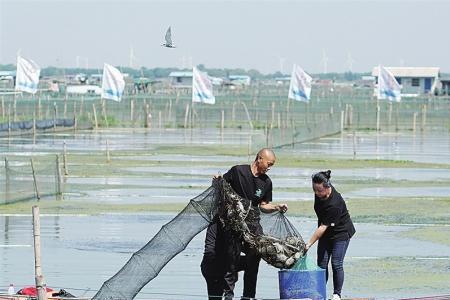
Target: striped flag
{"x": 112, "y": 83}
{"x": 300, "y": 87}
{"x": 27, "y": 75}
{"x": 388, "y": 87}
{"x": 202, "y": 88}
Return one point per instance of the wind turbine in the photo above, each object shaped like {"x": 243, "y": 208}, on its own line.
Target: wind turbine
{"x": 350, "y": 62}
{"x": 324, "y": 61}
{"x": 132, "y": 57}
{"x": 281, "y": 61}
{"x": 168, "y": 38}
{"x": 86, "y": 61}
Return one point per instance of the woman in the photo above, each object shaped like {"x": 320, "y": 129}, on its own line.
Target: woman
{"x": 335, "y": 228}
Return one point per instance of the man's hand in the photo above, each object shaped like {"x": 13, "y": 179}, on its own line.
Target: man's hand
{"x": 282, "y": 207}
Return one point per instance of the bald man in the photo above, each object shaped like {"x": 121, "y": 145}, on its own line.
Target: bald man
{"x": 221, "y": 261}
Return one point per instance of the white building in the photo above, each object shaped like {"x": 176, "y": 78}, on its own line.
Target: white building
{"x": 414, "y": 81}
{"x": 84, "y": 89}
{"x": 181, "y": 79}
{"x": 240, "y": 79}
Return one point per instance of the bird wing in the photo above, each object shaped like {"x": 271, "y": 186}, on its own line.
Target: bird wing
{"x": 169, "y": 37}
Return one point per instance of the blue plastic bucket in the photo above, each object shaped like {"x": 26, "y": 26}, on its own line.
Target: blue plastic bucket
{"x": 296, "y": 284}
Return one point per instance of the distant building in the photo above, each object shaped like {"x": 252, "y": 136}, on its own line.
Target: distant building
{"x": 181, "y": 79}
{"x": 240, "y": 79}
{"x": 283, "y": 80}
{"x": 84, "y": 89}
{"x": 414, "y": 81}
{"x": 445, "y": 85}
{"x": 7, "y": 75}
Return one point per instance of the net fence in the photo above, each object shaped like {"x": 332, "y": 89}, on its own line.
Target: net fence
{"x": 23, "y": 179}
{"x": 260, "y": 107}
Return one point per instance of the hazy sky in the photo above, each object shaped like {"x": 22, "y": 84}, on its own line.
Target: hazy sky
{"x": 263, "y": 35}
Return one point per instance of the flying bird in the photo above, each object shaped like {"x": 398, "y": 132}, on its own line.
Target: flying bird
{"x": 168, "y": 37}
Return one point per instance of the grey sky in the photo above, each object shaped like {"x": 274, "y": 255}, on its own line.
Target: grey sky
{"x": 228, "y": 34}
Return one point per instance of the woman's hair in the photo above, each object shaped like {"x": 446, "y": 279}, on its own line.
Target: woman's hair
{"x": 322, "y": 177}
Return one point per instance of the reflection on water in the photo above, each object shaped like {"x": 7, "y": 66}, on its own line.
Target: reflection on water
{"x": 83, "y": 251}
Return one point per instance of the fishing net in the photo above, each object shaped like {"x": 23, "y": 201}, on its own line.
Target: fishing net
{"x": 40, "y": 124}
{"x": 280, "y": 246}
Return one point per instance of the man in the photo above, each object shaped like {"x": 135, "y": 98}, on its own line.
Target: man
{"x": 222, "y": 257}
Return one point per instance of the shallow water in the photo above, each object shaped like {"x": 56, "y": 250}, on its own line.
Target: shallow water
{"x": 80, "y": 252}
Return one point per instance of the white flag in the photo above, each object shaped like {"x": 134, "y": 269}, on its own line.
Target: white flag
{"x": 27, "y": 75}
{"x": 202, "y": 88}
{"x": 300, "y": 87}
{"x": 112, "y": 83}
{"x": 388, "y": 87}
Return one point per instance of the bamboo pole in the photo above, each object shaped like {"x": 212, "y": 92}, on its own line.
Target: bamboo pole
{"x": 378, "y": 116}
{"x": 36, "y": 188}
{"x": 414, "y": 121}
{"x": 34, "y": 126}
{"x": 186, "y": 115}
{"x": 104, "y": 112}
{"x": 108, "y": 157}
{"x": 273, "y": 115}
{"x": 65, "y": 107}
{"x": 55, "y": 115}
{"x": 14, "y": 108}
{"x": 66, "y": 169}
{"x": 233, "y": 113}
{"x": 9, "y": 119}
{"x": 39, "y": 278}
{"x": 390, "y": 114}
{"x": 169, "y": 116}
{"x": 7, "y": 180}
{"x": 424, "y": 116}
{"x": 132, "y": 110}
{"x": 148, "y": 116}
{"x": 39, "y": 114}
{"x": 248, "y": 116}
{"x": 3, "y": 107}
{"x": 159, "y": 120}
{"x": 397, "y": 116}
{"x": 58, "y": 179}
{"x": 95, "y": 116}
{"x": 81, "y": 106}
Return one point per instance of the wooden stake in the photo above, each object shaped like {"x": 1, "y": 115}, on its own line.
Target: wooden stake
{"x": 3, "y": 107}
{"x": 36, "y": 189}
{"x": 66, "y": 170}
{"x": 59, "y": 190}
{"x": 14, "y": 108}
{"x": 222, "y": 121}
{"x": 378, "y": 117}
{"x": 424, "y": 116}
{"x": 39, "y": 278}
{"x": 248, "y": 116}
{"x": 104, "y": 112}
{"x": 108, "y": 157}
{"x": 159, "y": 120}
{"x": 186, "y": 115}
{"x": 55, "y": 115}
{"x": 95, "y": 116}
{"x": 414, "y": 121}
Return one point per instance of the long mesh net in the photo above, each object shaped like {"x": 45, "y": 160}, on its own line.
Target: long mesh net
{"x": 280, "y": 245}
